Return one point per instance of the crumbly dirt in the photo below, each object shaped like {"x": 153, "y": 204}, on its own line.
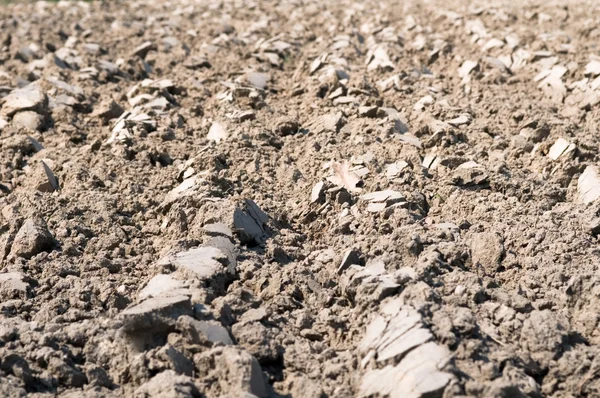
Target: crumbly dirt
{"x": 299, "y": 199}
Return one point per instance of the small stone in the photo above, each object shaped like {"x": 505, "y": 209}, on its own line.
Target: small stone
{"x": 258, "y": 80}
{"x": 588, "y": 185}
{"x": 394, "y": 169}
{"x": 160, "y": 285}
{"x": 33, "y": 238}
{"x": 143, "y": 49}
{"x": 217, "y": 133}
{"x": 155, "y": 314}
{"x": 250, "y": 223}
{"x": 218, "y": 229}
{"x": 466, "y": 68}
{"x": 286, "y": 126}
{"x": 51, "y": 184}
{"x": 317, "y": 194}
{"x": 28, "y": 98}
{"x": 200, "y": 331}
{"x": 417, "y": 375}
{"x": 350, "y": 257}
{"x": 592, "y": 68}
{"x": 253, "y": 315}
{"x": 561, "y": 147}
{"x": 203, "y": 262}
{"x": 107, "y": 110}
{"x": 29, "y": 119}
{"x": 367, "y": 111}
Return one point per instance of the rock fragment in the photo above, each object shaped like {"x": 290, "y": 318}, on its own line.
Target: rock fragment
{"x": 107, "y": 110}
{"x": 394, "y": 169}
{"x": 331, "y": 122}
{"x": 33, "y": 238}
{"x": 217, "y": 133}
{"x": 588, "y": 185}
{"x": 343, "y": 177}
{"x": 250, "y": 223}
{"x": 157, "y": 314}
{"x": 560, "y": 148}
{"x": 258, "y": 80}
{"x": 28, "y": 119}
{"x": 350, "y": 257}
{"x": 199, "y": 332}
{"x": 160, "y": 285}
{"x": 218, "y": 229}
{"x": 417, "y": 376}
{"x": 592, "y": 68}
{"x": 143, "y": 49}
{"x": 204, "y": 263}
{"x": 28, "y": 98}
{"x": 51, "y": 184}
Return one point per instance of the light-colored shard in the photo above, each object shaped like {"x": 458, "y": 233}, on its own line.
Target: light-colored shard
{"x": 217, "y": 133}
{"x": 410, "y": 139}
{"x": 379, "y": 58}
{"x": 343, "y": 177}
{"x": 468, "y": 165}
{"x": 553, "y": 75}
{"x": 560, "y": 148}
{"x": 592, "y": 68}
{"x": 422, "y": 103}
{"x": 375, "y": 207}
{"x": 466, "y": 68}
{"x": 204, "y": 262}
{"x": 519, "y": 59}
{"x": 594, "y": 84}
{"x": 28, "y": 98}
{"x": 52, "y": 180}
{"x": 217, "y": 229}
{"x": 403, "y": 343}
{"x": 463, "y": 118}
{"x": 258, "y": 80}
{"x": 588, "y": 185}
{"x": 492, "y": 43}
{"x": 400, "y": 121}
{"x": 183, "y": 189}
{"x": 394, "y": 169}
{"x": 316, "y": 192}
{"x": 418, "y": 375}
{"x": 383, "y": 196}
{"x": 160, "y": 285}
{"x": 373, "y": 333}
{"x": 429, "y": 161}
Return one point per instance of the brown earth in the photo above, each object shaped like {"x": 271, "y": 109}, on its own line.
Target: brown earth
{"x": 299, "y": 199}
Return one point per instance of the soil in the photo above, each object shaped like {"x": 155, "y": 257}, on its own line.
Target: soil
{"x": 299, "y": 199}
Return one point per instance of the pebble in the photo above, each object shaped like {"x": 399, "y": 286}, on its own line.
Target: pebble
{"x": 33, "y": 238}
{"x": 155, "y": 314}
{"x": 28, "y": 98}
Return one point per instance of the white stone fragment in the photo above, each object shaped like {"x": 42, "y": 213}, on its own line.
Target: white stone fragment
{"x": 588, "y": 185}
{"x": 560, "y": 148}
{"x": 394, "y": 169}
{"x": 592, "y": 68}
{"x": 217, "y": 133}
